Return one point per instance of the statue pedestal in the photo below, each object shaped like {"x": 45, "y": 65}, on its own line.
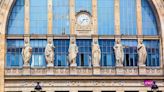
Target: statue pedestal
{"x": 142, "y": 70}
{"x": 96, "y": 70}
{"x": 73, "y": 70}
{"x": 50, "y": 70}
{"x": 26, "y": 69}
{"x": 119, "y": 70}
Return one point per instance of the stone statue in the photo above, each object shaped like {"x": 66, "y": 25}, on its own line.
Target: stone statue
{"x": 142, "y": 53}
{"x": 119, "y": 53}
{"x": 26, "y": 52}
{"x": 73, "y": 50}
{"x": 96, "y": 53}
{"x": 49, "y": 52}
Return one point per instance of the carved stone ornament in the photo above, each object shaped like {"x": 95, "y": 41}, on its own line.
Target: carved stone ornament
{"x": 73, "y": 50}
{"x": 26, "y": 51}
{"x": 142, "y": 53}
{"x": 49, "y": 52}
{"x": 96, "y": 53}
{"x": 119, "y": 53}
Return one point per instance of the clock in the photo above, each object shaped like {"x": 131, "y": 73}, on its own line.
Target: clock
{"x": 83, "y": 23}
{"x": 83, "y": 19}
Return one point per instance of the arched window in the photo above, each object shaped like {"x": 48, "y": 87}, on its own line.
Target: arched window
{"x": 61, "y": 26}
{"x": 128, "y": 23}
{"x": 149, "y": 23}
{"x": 16, "y": 18}
{"x": 105, "y": 10}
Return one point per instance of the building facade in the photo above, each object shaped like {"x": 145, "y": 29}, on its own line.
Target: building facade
{"x": 81, "y": 45}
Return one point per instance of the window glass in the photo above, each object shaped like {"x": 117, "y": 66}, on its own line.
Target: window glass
{"x": 61, "y": 52}
{"x": 149, "y": 25}
{"x": 16, "y": 18}
{"x": 61, "y": 17}
{"x": 107, "y": 52}
{"x": 38, "y": 17}
{"x": 152, "y": 47}
{"x": 84, "y": 54}
{"x": 13, "y": 55}
{"x": 128, "y": 23}
{"x": 81, "y": 5}
{"x": 130, "y": 52}
{"x": 105, "y": 17}
{"x": 38, "y": 49}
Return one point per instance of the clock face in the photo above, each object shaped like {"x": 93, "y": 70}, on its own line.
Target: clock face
{"x": 83, "y": 19}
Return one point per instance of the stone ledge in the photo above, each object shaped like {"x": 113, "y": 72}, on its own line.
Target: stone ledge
{"x": 84, "y": 77}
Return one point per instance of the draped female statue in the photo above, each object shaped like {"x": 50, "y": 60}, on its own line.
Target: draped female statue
{"x": 142, "y": 53}
{"x": 73, "y": 50}
{"x": 26, "y": 52}
{"x": 49, "y": 52}
{"x": 119, "y": 53}
{"x": 96, "y": 53}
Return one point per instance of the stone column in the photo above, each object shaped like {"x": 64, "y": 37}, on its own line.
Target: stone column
{"x": 96, "y": 68}
{"x": 72, "y": 16}
{"x": 50, "y": 17}
{"x": 142, "y": 69}
{"x": 26, "y": 69}
{"x": 119, "y": 69}
{"x": 72, "y": 49}
{"x": 94, "y": 16}
{"x": 139, "y": 17}
{"x": 50, "y": 68}
{"x": 2, "y": 60}
{"x": 117, "y": 16}
{"x": 27, "y": 17}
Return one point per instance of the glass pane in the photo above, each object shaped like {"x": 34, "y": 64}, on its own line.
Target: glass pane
{"x": 38, "y": 16}
{"x": 149, "y": 24}
{"x": 105, "y": 17}
{"x": 107, "y": 54}
{"x": 128, "y": 24}
{"x": 16, "y": 19}
{"x": 61, "y": 17}
{"x": 83, "y": 5}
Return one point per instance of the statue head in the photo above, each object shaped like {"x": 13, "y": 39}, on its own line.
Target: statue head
{"x": 26, "y": 40}
{"x": 118, "y": 41}
{"x": 140, "y": 41}
{"x": 95, "y": 41}
{"x": 50, "y": 40}
{"x": 72, "y": 40}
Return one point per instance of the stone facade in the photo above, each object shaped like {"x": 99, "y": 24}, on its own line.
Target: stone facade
{"x": 72, "y": 79}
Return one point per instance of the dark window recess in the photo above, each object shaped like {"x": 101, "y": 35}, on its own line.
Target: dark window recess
{"x": 37, "y": 91}
{"x": 82, "y": 59}
{"x": 155, "y": 91}
{"x": 61, "y": 91}
{"x": 84, "y": 91}
{"x": 131, "y": 91}
{"x": 108, "y": 91}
